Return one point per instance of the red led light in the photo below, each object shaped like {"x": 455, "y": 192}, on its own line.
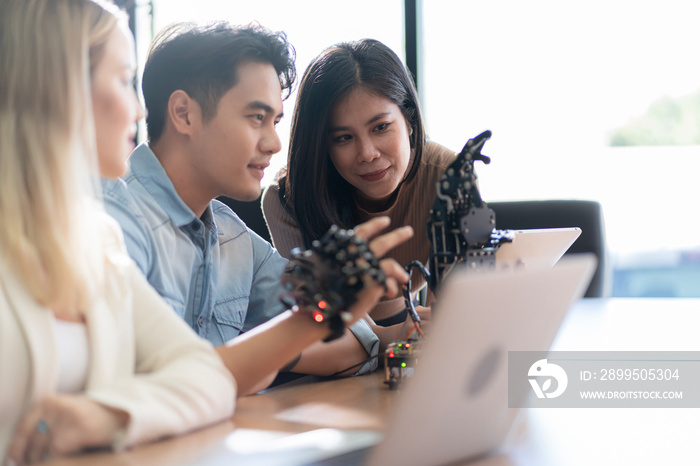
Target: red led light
{"x": 318, "y": 317}
{"x": 391, "y": 354}
{"x": 321, "y": 304}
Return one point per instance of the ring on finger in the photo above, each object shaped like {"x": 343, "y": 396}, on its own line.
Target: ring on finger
{"x": 42, "y": 427}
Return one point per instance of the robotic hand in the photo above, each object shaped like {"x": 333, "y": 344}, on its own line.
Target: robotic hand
{"x": 461, "y": 227}
{"x": 325, "y": 279}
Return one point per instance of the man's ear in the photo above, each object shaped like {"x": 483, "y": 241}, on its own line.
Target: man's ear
{"x": 184, "y": 112}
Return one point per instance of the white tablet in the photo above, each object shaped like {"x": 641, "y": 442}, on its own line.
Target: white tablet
{"x": 536, "y": 248}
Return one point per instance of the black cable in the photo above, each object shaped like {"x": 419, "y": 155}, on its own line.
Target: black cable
{"x": 352, "y": 367}
{"x": 407, "y": 289}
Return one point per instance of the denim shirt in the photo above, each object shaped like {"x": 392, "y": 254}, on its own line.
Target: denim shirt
{"x": 218, "y": 275}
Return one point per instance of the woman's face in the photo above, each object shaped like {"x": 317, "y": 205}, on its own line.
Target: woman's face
{"x": 116, "y": 108}
{"x": 369, "y": 145}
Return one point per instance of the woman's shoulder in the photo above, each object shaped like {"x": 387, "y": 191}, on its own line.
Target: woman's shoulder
{"x": 112, "y": 240}
{"x": 275, "y": 212}
{"x": 437, "y": 154}
{"x": 436, "y": 158}
{"x": 109, "y": 230}
{"x": 272, "y": 189}
{"x": 271, "y": 198}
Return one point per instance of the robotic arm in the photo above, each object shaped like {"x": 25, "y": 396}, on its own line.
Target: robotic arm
{"x": 461, "y": 227}
{"x": 461, "y": 230}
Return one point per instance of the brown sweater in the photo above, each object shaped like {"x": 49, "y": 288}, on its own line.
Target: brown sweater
{"x": 411, "y": 207}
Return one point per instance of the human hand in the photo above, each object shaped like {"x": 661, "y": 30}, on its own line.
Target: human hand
{"x": 344, "y": 269}
{"x": 396, "y": 275}
{"x": 63, "y": 424}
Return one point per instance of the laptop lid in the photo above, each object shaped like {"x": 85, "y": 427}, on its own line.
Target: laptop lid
{"x": 455, "y": 406}
{"x": 536, "y": 247}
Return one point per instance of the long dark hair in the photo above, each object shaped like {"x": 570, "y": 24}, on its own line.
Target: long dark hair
{"x": 311, "y": 188}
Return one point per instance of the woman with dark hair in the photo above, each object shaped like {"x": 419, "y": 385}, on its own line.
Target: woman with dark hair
{"x": 358, "y": 150}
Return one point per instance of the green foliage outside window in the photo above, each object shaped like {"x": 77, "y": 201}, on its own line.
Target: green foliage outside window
{"x": 667, "y": 122}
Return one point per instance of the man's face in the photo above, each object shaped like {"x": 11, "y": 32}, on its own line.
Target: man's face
{"x": 233, "y": 149}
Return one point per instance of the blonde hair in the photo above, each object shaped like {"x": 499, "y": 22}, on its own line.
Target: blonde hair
{"x": 48, "y": 160}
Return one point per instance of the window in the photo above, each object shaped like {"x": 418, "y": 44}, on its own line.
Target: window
{"x": 555, "y": 82}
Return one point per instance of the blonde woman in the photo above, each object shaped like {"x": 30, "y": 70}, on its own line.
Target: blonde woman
{"x": 90, "y": 355}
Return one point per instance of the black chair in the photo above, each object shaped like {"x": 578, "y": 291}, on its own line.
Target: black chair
{"x": 587, "y": 215}
{"x": 251, "y": 213}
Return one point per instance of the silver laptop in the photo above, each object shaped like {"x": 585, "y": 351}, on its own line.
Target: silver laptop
{"x": 455, "y": 405}
{"x": 536, "y": 248}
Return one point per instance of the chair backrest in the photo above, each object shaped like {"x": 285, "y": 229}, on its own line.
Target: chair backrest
{"x": 557, "y": 213}
{"x": 251, "y": 213}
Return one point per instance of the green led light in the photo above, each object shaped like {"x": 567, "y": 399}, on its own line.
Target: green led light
{"x": 403, "y": 364}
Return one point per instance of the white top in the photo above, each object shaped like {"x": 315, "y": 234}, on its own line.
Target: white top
{"x": 187, "y": 385}
{"x": 73, "y": 354}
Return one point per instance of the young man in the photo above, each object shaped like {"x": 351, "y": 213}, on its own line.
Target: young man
{"x": 214, "y": 95}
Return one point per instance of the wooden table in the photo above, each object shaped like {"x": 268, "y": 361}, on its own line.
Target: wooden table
{"x": 544, "y": 436}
